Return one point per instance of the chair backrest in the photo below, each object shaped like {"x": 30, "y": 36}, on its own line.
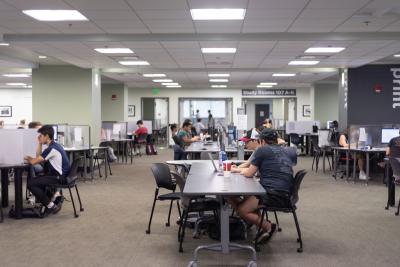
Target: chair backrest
{"x": 162, "y": 175}
{"x": 314, "y": 143}
{"x": 185, "y": 200}
{"x": 298, "y": 178}
{"x": 395, "y": 164}
{"x": 142, "y": 137}
{"x": 73, "y": 173}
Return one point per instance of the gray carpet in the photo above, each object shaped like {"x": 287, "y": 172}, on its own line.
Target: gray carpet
{"x": 343, "y": 224}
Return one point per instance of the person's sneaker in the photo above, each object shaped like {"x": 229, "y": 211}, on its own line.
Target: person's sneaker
{"x": 266, "y": 236}
{"x": 362, "y": 176}
{"x": 53, "y": 210}
{"x": 397, "y": 181}
{"x": 32, "y": 200}
{"x": 59, "y": 200}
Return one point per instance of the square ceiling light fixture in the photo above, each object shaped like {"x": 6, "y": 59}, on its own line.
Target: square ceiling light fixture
{"x": 17, "y": 75}
{"x": 219, "y": 75}
{"x": 16, "y": 84}
{"x": 268, "y": 83}
{"x": 173, "y": 86}
{"x": 55, "y": 15}
{"x": 218, "y": 86}
{"x": 219, "y": 80}
{"x": 218, "y": 14}
{"x": 303, "y": 62}
{"x": 220, "y": 50}
{"x": 264, "y": 86}
{"x": 114, "y": 50}
{"x": 162, "y": 81}
{"x": 322, "y": 50}
{"x": 134, "y": 63}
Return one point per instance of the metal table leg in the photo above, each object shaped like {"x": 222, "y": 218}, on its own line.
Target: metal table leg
{"x": 18, "y": 192}
{"x": 4, "y": 187}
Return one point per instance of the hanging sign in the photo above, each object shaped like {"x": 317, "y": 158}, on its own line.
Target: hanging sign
{"x": 268, "y": 92}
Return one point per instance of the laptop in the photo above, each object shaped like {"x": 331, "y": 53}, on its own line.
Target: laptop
{"x": 213, "y": 162}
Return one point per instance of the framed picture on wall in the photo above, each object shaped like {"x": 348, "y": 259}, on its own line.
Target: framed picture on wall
{"x": 306, "y": 111}
{"x": 5, "y": 111}
{"x": 131, "y": 110}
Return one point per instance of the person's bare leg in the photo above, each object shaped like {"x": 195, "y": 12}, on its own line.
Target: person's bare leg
{"x": 247, "y": 210}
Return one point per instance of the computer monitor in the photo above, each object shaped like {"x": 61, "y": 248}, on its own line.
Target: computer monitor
{"x": 387, "y": 134}
{"x": 329, "y": 125}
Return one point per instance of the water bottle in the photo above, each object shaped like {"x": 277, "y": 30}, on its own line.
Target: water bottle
{"x": 240, "y": 148}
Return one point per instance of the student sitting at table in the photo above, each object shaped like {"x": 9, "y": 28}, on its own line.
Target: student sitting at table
{"x": 184, "y": 133}
{"x": 59, "y": 168}
{"x": 343, "y": 142}
{"x": 178, "y": 147}
{"x": 251, "y": 142}
{"x": 393, "y": 151}
{"x": 274, "y": 164}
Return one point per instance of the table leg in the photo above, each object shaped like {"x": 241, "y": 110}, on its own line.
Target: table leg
{"x": 354, "y": 166}
{"x": 224, "y": 226}
{"x": 323, "y": 159}
{"x": 91, "y": 151}
{"x": 4, "y": 187}
{"x": 347, "y": 165}
{"x": 106, "y": 161}
{"x": 84, "y": 165}
{"x": 18, "y": 192}
{"x": 391, "y": 187}
{"x": 367, "y": 168}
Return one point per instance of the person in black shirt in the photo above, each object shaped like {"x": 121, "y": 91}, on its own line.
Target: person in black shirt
{"x": 274, "y": 163}
{"x": 393, "y": 151}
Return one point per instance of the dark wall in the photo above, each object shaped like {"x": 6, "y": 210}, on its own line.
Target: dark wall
{"x": 365, "y": 104}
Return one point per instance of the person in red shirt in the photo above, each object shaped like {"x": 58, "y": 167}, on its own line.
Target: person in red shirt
{"x": 140, "y": 133}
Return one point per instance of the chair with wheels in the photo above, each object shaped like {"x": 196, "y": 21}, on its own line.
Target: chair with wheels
{"x": 395, "y": 164}
{"x": 70, "y": 182}
{"x": 297, "y": 141}
{"x": 141, "y": 141}
{"x": 291, "y": 207}
{"x": 164, "y": 179}
{"x": 317, "y": 153}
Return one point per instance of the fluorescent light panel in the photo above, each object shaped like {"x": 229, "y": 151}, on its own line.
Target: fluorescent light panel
{"x": 173, "y": 86}
{"x": 16, "y": 84}
{"x": 162, "y": 81}
{"x": 303, "y": 62}
{"x": 218, "y": 86}
{"x": 4, "y": 44}
{"x": 134, "y": 63}
{"x": 55, "y": 15}
{"x": 209, "y": 50}
{"x": 153, "y": 75}
{"x": 114, "y": 50}
{"x": 284, "y": 74}
{"x": 324, "y": 50}
{"x": 218, "y": 14}
{"x": 219, "y": 80}
{"x": 268, "y": 83}
{"x": 17, "y": 75}
{"x": 398, "y": 55}
{"x": 170, "y": 83}
{"x": 264, "y": 86}
{"x": 42, "y": 57}
{"x": 219, "y": 75}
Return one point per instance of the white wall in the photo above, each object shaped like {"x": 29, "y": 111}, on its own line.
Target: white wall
{"x": 21, "y": 101}
{"x": 303, "y": 96}
{"x": 326, "y": 102}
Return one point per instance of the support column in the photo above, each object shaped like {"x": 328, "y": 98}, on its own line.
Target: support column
{"x": 343, "y": 99}
{"x": 114, "y": 102}
{"x": 67, "y": 94}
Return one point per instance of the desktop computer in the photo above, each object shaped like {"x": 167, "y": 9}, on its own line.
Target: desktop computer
{"x": 387, "y": 134}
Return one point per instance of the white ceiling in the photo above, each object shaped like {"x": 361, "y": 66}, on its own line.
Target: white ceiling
{"x": 162, "y": 32}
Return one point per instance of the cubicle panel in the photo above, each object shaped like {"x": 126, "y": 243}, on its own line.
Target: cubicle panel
{"x": 301, "y": 127}
{"x": 17, "y": 143}
{"x": 131, "y": 127}
{"x": 361, "y": 136}
{"x": 323, "y": 138}
{"x": 119, "y": 130}
{"x": 77, "y": 136}
{"x": 149, "y": 126}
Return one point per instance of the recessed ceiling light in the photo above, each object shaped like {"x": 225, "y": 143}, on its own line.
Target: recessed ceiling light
{"x": 134, "y": 63}
{"x": 219, "y": 75}
{"x": 218, "y": 14}
{"x": 4, "y": 44}
{"x": 284, "y": 74}
{"x": 173, "y": 86}
{"x": 55, "y": 15}
{"x": 398, "y": 55}
{"x": 28, "y": 86}
{"x": 42, "y": 57}
{"x": 162, "y": 81}
{"x": 264, "y": 86}
{"x": 114, "y": 50}
{"x": 218, "y": 80}
{"x": 16, "y": 84}
{"x": 268, "y": 83}
{"x": 218, "y": 50}
{"x": 324, "y": 50}
{"x": 218, "y": 86}
{"x": 303, "y": 62}
{"x": 17, "y": 75}
{"x": 170, "y": 83}
{"x": 152, "y": 75}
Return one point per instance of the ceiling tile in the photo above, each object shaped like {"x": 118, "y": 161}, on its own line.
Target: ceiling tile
{"x": 178, "y": 14}
{"x": 231, "y": 26}
{"x": 98, "y": 4}
{"x": 217, "y": 4}
{"x": 38, "y": 4}
{"x": 272, "y": 13}
{"x": 337, "y": 3}
{"x": 122, "y": 26}
{"x": 158, "y": 4}
{"x": 266, "y": 25}
{"x": 276, "y": 4}
{"x": 124, "y": 15}
{"x": 169, "y": 26}
{"x": 315, "y": 25}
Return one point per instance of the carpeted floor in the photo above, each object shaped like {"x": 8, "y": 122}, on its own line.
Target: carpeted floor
{"x": 343, "y": 224}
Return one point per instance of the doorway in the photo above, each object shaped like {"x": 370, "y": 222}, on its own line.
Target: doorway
{"x": 261, "y": 113}
{"x": 156, "y": 110}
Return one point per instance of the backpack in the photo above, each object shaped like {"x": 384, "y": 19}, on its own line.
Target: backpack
{"x": 237, "y": 229}
{"x": 151, "y": 149}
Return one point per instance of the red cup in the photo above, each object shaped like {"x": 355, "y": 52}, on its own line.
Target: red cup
{"x": 227, "y": 165}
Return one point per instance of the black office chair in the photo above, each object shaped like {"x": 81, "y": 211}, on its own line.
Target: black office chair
{"x": 163, "y": 177}
{"x": 317, "y": 153}
{"x": 101, "y": 155}
{"x": 1, "y": 210}
{"x": 291, "y": 207}
{"x": 395, "y": 164}
{"x": 141, "y": 141}
{"x": 190, "y": 205}
{"x": 70, "y": 182}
